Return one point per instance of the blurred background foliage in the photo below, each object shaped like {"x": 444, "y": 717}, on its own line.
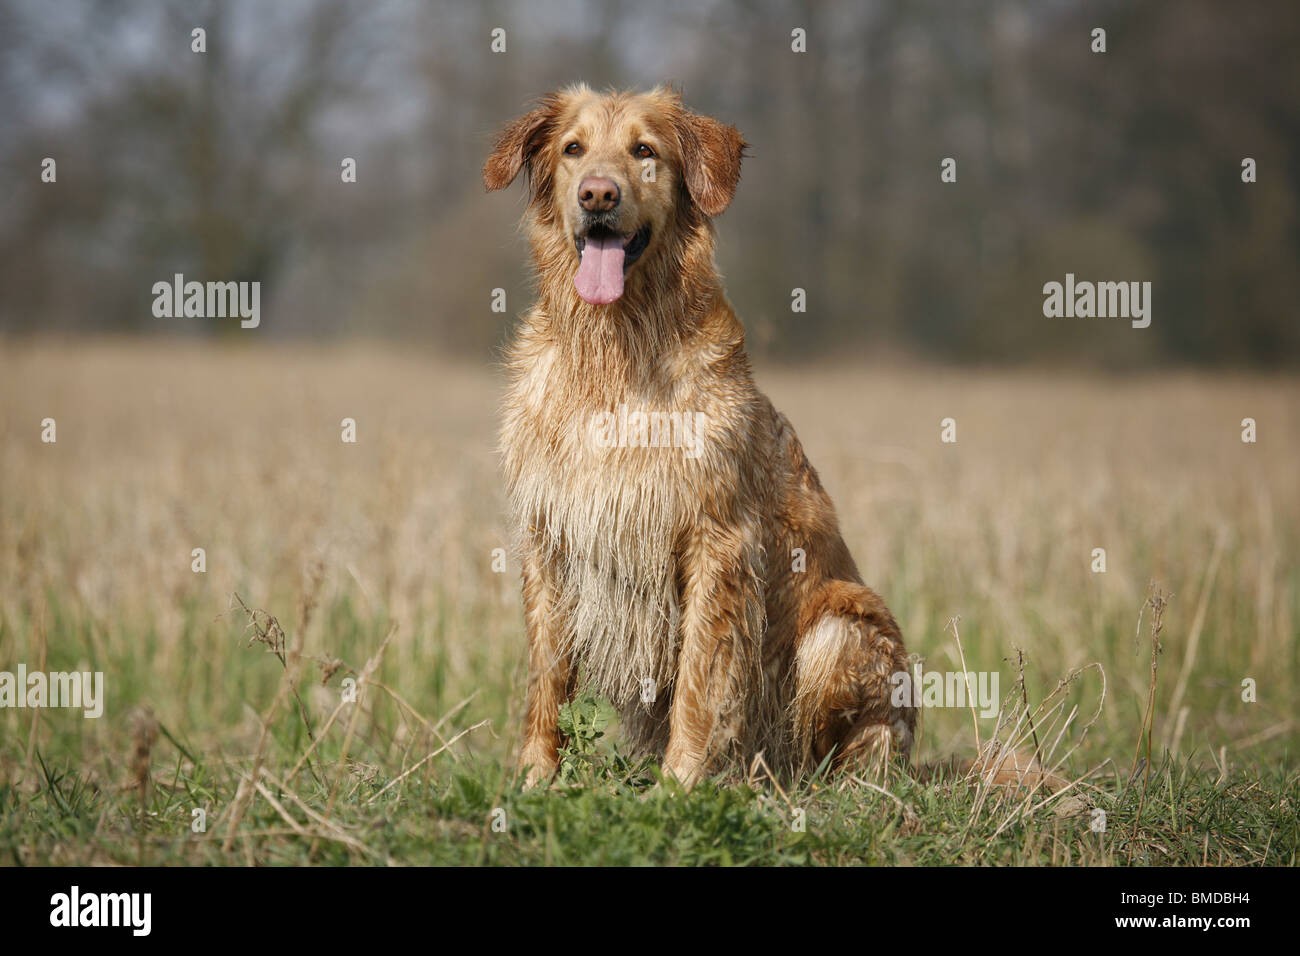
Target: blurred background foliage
{"x": 226, "y": 165}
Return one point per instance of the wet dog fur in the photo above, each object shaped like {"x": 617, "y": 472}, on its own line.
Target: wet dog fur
{"x": 705, "y": 591}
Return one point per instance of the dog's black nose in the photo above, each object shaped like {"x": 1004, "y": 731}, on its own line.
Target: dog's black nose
{"x": 598, "y": 194}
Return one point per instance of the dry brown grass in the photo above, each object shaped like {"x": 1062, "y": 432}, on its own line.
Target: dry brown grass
{"x": 162, "y": 449}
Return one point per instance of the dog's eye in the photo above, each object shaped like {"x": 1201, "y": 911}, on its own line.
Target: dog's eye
{"x": 573, "y": 149}
{"x": 643, "y": 151}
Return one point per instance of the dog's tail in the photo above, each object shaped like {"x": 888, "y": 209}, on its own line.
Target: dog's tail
{"x": 997, "y": 766}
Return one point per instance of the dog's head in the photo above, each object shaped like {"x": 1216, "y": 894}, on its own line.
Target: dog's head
{"x": 618, "y": 173}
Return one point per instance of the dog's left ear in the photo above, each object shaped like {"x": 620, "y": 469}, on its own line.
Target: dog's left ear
{"x": 518, "y": 144}
{"x": 711, "y": 155}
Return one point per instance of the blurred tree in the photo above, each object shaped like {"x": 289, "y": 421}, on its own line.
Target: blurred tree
{"x": 225, "y": 165}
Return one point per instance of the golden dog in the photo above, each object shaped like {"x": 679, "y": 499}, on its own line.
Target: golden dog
{"x": 677, "y": 547}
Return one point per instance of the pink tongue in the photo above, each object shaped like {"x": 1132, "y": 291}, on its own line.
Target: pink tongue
{"x": 600, "y": 274}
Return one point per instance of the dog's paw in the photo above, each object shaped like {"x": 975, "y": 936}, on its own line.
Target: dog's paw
{"x": 538, "y": 773}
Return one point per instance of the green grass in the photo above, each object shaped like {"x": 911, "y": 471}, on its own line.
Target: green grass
{"x": 466, "y": 805}
{"x": 618, "y": 812}
{"x": 163, "y": 448}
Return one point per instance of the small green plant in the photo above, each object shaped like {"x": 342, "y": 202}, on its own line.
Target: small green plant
{"x": 583, "y": 722}
{"x": 586, "y": 759}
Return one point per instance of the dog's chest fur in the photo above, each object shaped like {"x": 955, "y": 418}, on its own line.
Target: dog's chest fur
{"x": 611, "y": 513}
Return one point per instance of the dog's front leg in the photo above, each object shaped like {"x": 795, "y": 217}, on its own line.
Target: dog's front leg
{"x": 550, "y": 671}
{"x": 718, "y": 674}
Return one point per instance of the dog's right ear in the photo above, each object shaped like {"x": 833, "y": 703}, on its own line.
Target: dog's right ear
{"x": 518, "y": 144}
{"x": 711, "y": 155}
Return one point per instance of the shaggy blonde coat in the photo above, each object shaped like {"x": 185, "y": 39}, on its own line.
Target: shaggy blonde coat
{"x": 678, "y": 550}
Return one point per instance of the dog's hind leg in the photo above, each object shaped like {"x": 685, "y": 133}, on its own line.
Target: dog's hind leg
{"x": 846, "y": 657}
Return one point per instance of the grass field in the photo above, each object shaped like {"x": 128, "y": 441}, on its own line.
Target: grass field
{"x": 372, "y": 563}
